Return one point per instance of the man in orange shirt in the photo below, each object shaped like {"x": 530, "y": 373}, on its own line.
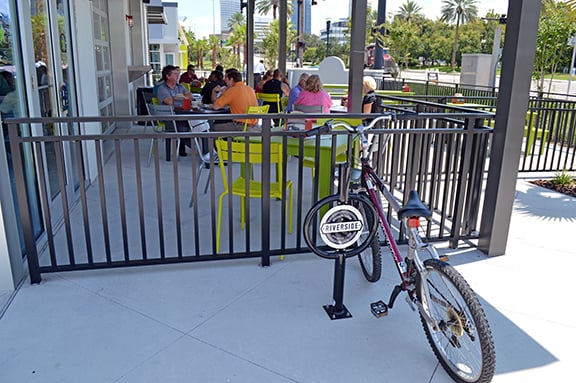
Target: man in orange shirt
{"x": 239, "y": 97}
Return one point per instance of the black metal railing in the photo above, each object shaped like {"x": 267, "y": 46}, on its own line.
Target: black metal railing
{"x": 124, "y": 213}
{"x": 549, "y": 139}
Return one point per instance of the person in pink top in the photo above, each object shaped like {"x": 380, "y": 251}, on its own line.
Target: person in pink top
{"x": 314, "y": 95}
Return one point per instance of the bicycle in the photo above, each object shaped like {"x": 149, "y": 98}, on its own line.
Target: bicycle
{"x": 453, "y": 320}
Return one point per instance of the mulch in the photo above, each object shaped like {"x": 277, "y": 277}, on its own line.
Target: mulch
{"x": 565, "y": 189}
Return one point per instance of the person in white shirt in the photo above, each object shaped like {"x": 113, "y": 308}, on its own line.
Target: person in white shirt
{"x": 259, "y": 70}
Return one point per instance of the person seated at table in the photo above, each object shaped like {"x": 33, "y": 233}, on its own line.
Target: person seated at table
{"x": 215, "y": 79}
{"x": 276, "y": 85}
{"x": 267, "y": 76}
{"x": 190, "y": 77}
{"x": 169, "y": 92}
{"x": 369, "y": 99}
{"x": 238, "y": 97}
{"x": 295, "y": 92}
{"x": 314, "y": 95}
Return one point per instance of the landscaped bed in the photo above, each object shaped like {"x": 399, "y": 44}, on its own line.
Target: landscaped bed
{"x": 562, "y": 182}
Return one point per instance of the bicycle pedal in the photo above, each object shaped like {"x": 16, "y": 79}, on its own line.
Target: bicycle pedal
{"x": 379, "y": 309}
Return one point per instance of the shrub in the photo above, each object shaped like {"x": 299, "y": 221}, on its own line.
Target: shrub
{"x": 563, "y": 178}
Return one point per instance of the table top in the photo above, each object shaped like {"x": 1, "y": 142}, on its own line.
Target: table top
{"x": 202, "y": 110}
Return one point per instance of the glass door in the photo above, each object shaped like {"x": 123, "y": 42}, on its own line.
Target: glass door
{"x": 53, "y": 94}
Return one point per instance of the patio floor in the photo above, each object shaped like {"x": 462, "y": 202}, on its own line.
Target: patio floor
{"x": 234, "y": 321}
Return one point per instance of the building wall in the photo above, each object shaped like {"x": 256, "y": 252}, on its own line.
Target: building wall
{"x": 227, "y": 9}
{"x": 128, "y": 47}
{"x": 307, "y": 16}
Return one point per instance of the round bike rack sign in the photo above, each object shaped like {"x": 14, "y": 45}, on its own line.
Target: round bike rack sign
{"x": 341, "y": 226}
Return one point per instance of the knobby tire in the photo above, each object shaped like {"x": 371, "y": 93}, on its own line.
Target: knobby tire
{"x": 370, "y": 259}
{"x": 463, "y": 344}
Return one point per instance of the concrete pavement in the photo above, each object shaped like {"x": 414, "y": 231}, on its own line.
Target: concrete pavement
{"x": 233, "y": 321}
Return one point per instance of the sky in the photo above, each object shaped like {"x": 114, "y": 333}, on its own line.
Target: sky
{"x": 200, "y": 15}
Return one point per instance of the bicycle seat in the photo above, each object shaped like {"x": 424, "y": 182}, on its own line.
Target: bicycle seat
{"x": 414, "y": 207}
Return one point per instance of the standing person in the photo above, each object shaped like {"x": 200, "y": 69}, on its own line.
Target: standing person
{"x": 169, "y": 91}
{"x": 259, "y": 70}
{"x": 295, "y": 92}
{"x": 239, "y": 97}
{"x": 314, "y": 95}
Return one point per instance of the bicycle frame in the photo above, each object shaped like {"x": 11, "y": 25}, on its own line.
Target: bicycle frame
{"x": 453, "y": 320}
{"x": 371, "y": 182}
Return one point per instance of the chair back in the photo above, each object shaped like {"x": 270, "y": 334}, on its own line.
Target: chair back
{"x": 308, "y": 108}
{"x": 161, "y": 110}
{"x": 235, "y": 151}
{"x": 256, "y": 110}
{"x": 148, "y": 97}
{"x": 271, "y": 98}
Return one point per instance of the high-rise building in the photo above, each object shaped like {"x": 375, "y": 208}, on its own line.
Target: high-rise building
{"x": 307, "y": 17}
{"x": 227, "y": 9}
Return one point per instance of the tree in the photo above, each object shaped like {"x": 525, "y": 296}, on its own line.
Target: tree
{"x": 410, "y": 11}
{"x": 236, "y": 19}
{"x": 555, "y": 27}
{"x": 264, "y": 6}
{"x": 460, "y": 11}
{"x": 237, "y": 40}
{"x": 213, "y": 45}
{"x": 201, "y": 46}
{"x": 270, "y": 40}
{"x": 403, "y": 38}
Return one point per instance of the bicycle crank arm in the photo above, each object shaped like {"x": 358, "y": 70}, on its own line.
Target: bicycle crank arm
{"x": 397, "y": 290}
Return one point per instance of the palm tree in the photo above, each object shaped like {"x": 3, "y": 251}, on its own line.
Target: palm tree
{"x": 409, "y": 11}
{"x": 214, "y": 44}
{"x": 460, "y": 11}
{"x": 201, "y": 45}
{"x": 263, "y": 7}
{"x": 237, "y": 40}
{"x": 236, "y": 19}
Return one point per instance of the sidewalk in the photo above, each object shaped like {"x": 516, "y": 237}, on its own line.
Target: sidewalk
{"x": 233, "y": 321}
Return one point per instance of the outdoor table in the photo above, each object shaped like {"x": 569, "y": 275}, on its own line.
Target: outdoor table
{"x": 324, "y": 174}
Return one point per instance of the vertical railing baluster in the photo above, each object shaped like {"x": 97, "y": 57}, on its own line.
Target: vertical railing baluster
{"x": 83, "y": 201}
{"x": 140, "y": 198}
{"x": 121, "y": 199}
{"x": 103, "y": 204}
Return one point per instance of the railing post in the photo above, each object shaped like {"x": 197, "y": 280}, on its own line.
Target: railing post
{"x": 266, "y": 126}
{"x": 514, "y": 92}
{"x": 24, "y": 207}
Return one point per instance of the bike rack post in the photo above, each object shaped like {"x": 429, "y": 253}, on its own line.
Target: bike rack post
{"x": 340, "y": 229}
{"x": 337, "y": 310}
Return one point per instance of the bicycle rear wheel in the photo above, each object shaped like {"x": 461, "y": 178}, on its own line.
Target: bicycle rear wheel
{"x": 370, "y": 259}
{"x": 463, "y": 341}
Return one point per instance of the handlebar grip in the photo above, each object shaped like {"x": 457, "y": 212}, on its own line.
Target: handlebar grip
{"x": 318, "y": 130}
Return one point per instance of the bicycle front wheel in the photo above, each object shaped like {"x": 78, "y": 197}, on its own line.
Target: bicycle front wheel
{"x": 370, "y": 259}
{"x": 462, "y": 341}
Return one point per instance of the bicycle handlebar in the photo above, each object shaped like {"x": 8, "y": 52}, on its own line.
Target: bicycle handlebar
{"x": 360, "y": 129}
